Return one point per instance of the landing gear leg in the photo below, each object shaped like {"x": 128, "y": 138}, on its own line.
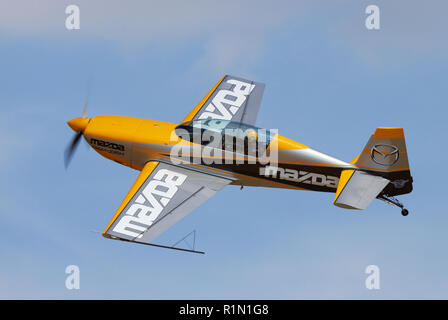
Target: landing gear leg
{"x": 395, "y": 202}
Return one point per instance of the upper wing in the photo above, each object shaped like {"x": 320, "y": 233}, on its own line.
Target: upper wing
{"x": 162, "y": 195}
{"x": 231, "y": 98}
{"x": 356, "y": 189}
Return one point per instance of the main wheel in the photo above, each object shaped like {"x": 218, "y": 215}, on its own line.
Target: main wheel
{"x": 404, "y": 212}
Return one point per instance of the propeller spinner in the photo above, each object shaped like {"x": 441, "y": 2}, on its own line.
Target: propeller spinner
{"x": 78, "y": 125}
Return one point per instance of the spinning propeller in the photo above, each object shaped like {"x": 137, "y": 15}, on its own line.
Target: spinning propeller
{"x": 78, "y": 125}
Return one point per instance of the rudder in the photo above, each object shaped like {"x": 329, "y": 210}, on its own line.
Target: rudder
{"x": 385, "y": 154}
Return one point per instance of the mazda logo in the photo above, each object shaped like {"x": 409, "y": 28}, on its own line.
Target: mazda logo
{"x": 384, "y": 154}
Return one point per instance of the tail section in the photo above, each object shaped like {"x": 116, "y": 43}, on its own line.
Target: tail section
{"x": 382, "y": 170}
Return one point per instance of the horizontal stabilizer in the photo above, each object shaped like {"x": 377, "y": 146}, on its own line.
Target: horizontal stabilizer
{"x": 356, "y": 189}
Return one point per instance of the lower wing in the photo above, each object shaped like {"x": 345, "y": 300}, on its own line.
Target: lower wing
{"x": 161, "y": 196}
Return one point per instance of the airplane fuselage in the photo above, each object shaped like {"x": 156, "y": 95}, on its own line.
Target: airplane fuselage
{"x": 133, "y": 142}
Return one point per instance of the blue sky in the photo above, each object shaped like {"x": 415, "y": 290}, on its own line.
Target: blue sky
{"x": 329, "y": 83}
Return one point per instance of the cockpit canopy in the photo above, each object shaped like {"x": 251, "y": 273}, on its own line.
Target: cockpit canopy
{"x": 204, "y": 131}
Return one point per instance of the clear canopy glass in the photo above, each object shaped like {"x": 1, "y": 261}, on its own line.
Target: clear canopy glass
{"x": 225, "y": 128}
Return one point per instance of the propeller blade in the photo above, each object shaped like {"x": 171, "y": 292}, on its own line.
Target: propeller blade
{"x": 71, "y": 148}
{"x": 86, "y": 103}
{"x": 68, "y": 155}
{"x": 84, "y": 111}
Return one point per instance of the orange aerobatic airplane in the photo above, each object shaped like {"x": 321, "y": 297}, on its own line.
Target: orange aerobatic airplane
{"x": 182, "y": 165}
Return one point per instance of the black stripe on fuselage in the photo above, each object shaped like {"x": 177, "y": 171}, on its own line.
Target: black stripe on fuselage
{"x": 309, "y": 177}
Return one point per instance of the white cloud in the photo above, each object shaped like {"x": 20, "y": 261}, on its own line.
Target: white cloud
{"x": 230, "y": 29}
{"x": 235, "y": 33}
{"x": 410, "y": 30}
{"x": 145, "y": 19}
